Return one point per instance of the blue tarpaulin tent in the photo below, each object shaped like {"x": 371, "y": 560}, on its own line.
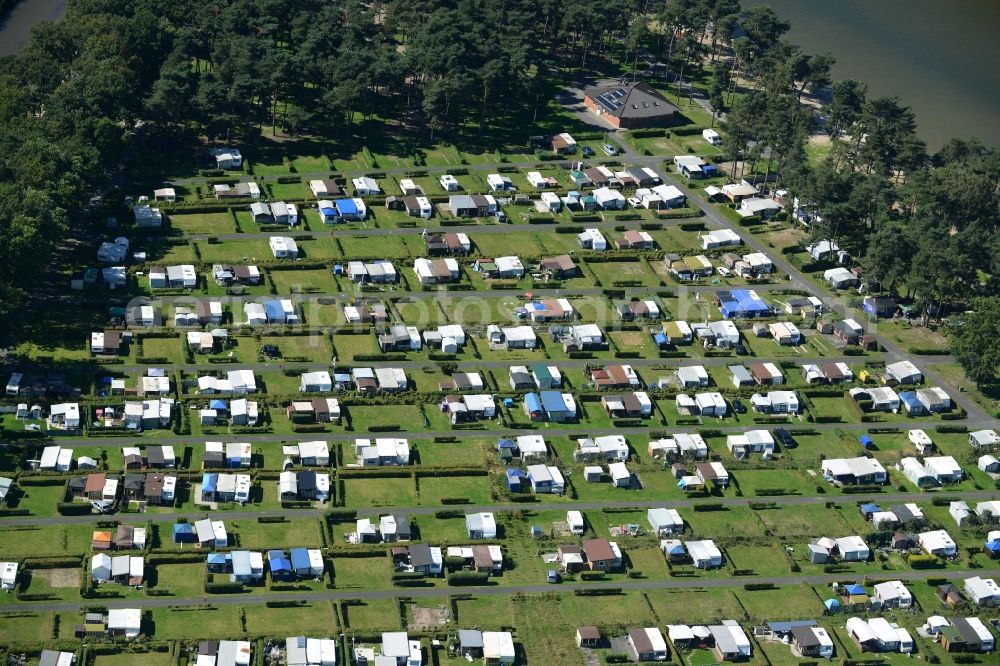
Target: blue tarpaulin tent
{"x": 870, "y": 507}
{"x": 217, "y": 404}
{"x": 278, "y": 564}
{"x": 854, "y": 590}
{"x": 831, "y": 604}
{"x": 184, "y": 533}
{"x": 514, "y": 477}
{"x": 208, "y": 482}
{"x": 866, "y": 441}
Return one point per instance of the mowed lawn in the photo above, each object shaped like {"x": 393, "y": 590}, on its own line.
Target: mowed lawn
{"x": 611, "y": 272}
{"x": 310, "y": 618}
{"x": 407, "y": 417}
{"x": 311, "y": 348}
{"x": 373, "y": 615}
{"x": 303, "y": 281}
{"x": 203, "y": 223}
{"x": 260, "y": 536}
{"x": 129, "y": 659}
{"x": 181, "y": 580}
{"x": 196, "y": 622}
{"x": 435, "y": 488}
{"x": 380, "y": 492}
{"x": 789, "y": 602}
{"x": 167, "y": 348}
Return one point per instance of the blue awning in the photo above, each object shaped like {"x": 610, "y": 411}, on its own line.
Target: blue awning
{"x": 217, "y": 558}
{"x": 552, "y": 401}
{"x": 854, "y": 589}
{"x": 532, "y": 402}
{"x": 346, "y": 206}
{"x": 273, "y": 310}
{"x": 208, "y": 482}
{"x": 300, "y": 559}
{"x": 218, "y": 404}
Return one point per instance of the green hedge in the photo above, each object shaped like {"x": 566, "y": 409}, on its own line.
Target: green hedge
{"x": 224, "y": 588}
{"x": 597, "y": 592}
{"x": 464, "y": 578}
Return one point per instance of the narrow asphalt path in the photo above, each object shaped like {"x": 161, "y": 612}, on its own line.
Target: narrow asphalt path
{"x": 693, "y": 584}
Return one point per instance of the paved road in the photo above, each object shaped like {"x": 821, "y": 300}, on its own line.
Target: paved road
{"x": 780, "y": 500}
{"x": 500, "y": 590}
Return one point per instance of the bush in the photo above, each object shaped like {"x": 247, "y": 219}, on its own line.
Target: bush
{"x": 597, "y": 592}
{"x": 462, "y": 578}
{"x": 224, "y": 588}
{"x": 73, "y": 508}
{"x": 923, "y": 561}
{"x": 951, "y": 427}
{"x": 928, "y": 351}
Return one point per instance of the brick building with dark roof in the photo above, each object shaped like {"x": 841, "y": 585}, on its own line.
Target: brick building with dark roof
{"x": 630, "y": 106}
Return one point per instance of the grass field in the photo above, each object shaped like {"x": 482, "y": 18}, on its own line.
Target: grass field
{"x": 380, "y": 615}
{"x": 182, "y": 580}
{"x": 129, "y": 659}
{"x": 309, "y": 348}
{"x": 380, "y": 492}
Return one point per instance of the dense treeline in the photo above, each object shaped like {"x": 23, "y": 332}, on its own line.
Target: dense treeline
{"x": 71, "y": 104}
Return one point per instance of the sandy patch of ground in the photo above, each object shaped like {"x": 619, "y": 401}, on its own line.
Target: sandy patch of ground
{"x": 428, "y": 618}
{"x": 59, "y": 577}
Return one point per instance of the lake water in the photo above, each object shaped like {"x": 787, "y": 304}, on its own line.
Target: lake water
{"x": 15, "y": 26}
{"x": 941, "y": 57}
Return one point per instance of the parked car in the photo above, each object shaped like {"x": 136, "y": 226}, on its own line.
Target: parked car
{"x": 270, "y": 351}
{"x": 723, "y": 271}
{"x": 609, "y": 150}
{"x": 588, "y": 151}
{"x": 553, "y": 576}
{"x": 635, "y": 203}
{"x": 738, "y": 406}
{"x": 785, "y": 438}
